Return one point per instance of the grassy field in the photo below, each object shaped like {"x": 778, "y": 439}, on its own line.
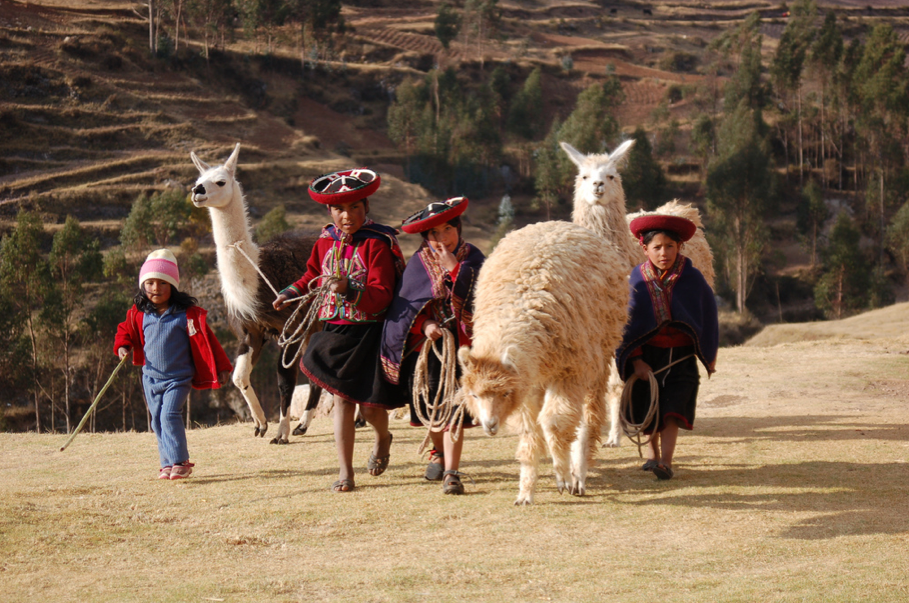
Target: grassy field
{"x": 792, "y": 488}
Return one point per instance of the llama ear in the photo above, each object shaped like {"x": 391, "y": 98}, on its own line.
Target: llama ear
{"x": 231, "y": 163}
{"x": 619, "y": 155}
{"x": 507, "y": 359}
{"x": 200, "y": 165}
{"x": 464, "y": 357}
{"x": 575, "y": 155}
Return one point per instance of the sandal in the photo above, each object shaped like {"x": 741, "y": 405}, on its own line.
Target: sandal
{"x": 650, "y": 464}
{"x": 377, "y": 465}
{"x": 452, "y": 482}
{"x": 436, "y": 466}
{"x": 663, "y": 471}
{"x": 343, "y": 485}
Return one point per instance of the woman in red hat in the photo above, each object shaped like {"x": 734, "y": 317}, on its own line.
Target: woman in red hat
{"x": 364, "y": 260}
{"x": 672, "y": 324}
{"x": 435, "y": 293}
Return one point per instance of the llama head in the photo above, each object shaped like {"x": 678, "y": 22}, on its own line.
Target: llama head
{"x": 598, "y": 181}
{"x": 489, "y": 387}
{"x": 216, "y": 186}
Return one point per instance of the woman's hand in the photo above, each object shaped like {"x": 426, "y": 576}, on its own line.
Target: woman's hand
{"x": 280, "y": 301}
{"x": 641, "y": 369}
{"x": 339, "y": 286}
{"x": 123, "y": 351}
{"x": 446, "y": 259}
{"x": 432, "y": 329}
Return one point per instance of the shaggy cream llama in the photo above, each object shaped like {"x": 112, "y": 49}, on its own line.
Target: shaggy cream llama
{"x": 551, "y": 303}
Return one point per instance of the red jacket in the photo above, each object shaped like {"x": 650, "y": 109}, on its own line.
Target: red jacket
{"x": 208, "y": 355}
{"x": 371, "y": 278}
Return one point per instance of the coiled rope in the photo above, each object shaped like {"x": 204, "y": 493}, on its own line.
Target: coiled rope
{"x": 634, "y": 430}
{"x": 442, "y": 411}
{"x": 287, "y": 339}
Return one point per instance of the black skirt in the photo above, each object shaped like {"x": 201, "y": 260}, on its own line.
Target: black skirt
{"x": 344, "y": 361}
{"x": 434, "y": 370}
{"x": 678, "y": 387}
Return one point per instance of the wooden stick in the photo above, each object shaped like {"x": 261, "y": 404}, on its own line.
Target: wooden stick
{"x": 95, "y": 403}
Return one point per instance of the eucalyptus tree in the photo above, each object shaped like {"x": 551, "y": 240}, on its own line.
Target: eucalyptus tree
{"x": 789, "y": 62}
{"x": 23, "y": 277}
{"x": 823, "y": 58}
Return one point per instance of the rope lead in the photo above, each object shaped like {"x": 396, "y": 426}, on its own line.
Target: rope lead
{"x": 634, "y": 430}
{"x": 442, "y": 412}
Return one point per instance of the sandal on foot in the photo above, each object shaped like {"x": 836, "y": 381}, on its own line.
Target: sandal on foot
{"x": 452, "y": 482}
{"x": 436, "y": 466}
{"x": 650, "y": 464}
{"x": 377, "y": 465}
{"x": 343, "y": 485}
{"x": 663, "y": 471}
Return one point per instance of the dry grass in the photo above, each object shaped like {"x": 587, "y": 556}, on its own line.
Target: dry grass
{"x": 877, "y": 324}
{"x": 792, "y": 488}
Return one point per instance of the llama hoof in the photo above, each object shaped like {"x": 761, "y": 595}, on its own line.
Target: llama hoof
{"x": 278, "y": 441}
{"x": 523, "y": 501}
{"x": 299, "y": 430}
{"x": 562, "y": 486}
{"x": 577, "y": 489}
{"x": 260, "y": 431}
{"x": 360, "y": 423}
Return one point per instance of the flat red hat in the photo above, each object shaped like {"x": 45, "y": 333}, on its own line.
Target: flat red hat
{"x": 434, "y": 214}
{"x": 345, "y": 186}
{"x": 684, "y": 227}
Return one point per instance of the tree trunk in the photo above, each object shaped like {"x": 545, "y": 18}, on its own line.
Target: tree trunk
{"x": 801, "y": 149}
{"x": 151, "y": 26}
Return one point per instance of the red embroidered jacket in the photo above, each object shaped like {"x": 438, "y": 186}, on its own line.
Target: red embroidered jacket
{"x": 208, "y": 355}
{"x": 369, "y": 266}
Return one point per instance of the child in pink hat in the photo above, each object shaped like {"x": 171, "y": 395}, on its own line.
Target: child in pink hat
{"x": 177, "y": 351}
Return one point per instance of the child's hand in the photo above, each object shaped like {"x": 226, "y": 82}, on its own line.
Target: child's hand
{"x": 123, "y": 351}
{"x": 280, "y": 301}
{"x": 432, "y": 330}
{"x": 446, "y": 259}
{"x": 642, "y": 370}
{"x": 712, "y": 368}
{"x": 339, "y": 287}
{"x": 223, "y": 377}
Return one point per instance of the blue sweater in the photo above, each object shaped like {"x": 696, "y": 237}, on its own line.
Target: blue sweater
{"x": 167, "y": 353}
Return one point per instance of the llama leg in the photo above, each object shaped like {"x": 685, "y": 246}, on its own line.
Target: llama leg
{"x": 287, "y": 380}
{"x": 242, "y": 369}
{"x": 585, "y": 444}
{"x": 559, "y": 420}
{"x": 530, "y": 447}
{"x": 614, "y": 398}
{"x": 315, "y": 394}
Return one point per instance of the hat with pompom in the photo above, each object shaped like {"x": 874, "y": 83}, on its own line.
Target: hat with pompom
{"x": 160, "y": 264}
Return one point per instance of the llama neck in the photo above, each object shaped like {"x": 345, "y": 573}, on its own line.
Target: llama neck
{"x": 239, "y": 279}
{"x": 608, "y": 222}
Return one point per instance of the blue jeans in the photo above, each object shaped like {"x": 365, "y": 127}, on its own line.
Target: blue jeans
{"x": 165, "y": 398}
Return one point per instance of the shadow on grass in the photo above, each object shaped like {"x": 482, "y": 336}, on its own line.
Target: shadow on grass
{"x": 845, "y": 499}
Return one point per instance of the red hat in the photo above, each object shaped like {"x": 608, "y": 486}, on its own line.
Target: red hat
{"x": 345, "y": 186}
{"x": 434, "y": 214}
{"x": 684, "y": 227}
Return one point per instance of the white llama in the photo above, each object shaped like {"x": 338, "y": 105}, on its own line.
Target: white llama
{"x": 247, "y": 297}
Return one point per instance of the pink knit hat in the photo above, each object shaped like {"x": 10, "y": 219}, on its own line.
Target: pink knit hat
{"x": 160, "y": 264}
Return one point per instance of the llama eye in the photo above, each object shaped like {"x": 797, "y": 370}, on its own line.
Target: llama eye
{"x": 221, "y": 182}
{"x": 610, "y": 177}
{"x": 583, "y": 177}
